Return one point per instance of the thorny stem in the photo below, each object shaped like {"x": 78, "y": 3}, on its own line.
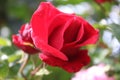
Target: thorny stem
{"x": 26, "y": 58}
{"x": 38, "y": 68}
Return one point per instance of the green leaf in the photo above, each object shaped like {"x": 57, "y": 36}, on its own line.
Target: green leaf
{"x": 4, "y": 69}
{"x": 115, "y": 29}
{"x": 4, "y": 42}
{"x": 13, "y": 58}
{"x": 8, "y": 50}
{"x": 13, "y": 71}
{"x": 57, "y": 74}
{"x": 63, "y": 2}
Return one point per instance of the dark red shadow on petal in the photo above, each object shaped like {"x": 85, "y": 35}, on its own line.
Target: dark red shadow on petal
{"x": 73, "y": 65}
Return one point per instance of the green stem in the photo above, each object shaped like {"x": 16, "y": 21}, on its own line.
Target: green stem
{"x": 26, "y": 58}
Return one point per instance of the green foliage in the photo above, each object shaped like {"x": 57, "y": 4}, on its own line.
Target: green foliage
{"x": 19, "y": 11}
{"x": 8, "y": 50}
{"x": 13, "y": 71}
{"x": 57, "y": 74}
{"x": 64, "y": 2}
{"x": 4, "y": 42}
{"x": 115, "y": 29}
{"x": 4, "y": 69}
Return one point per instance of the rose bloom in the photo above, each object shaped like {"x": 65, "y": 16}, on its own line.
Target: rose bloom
{"x": 59, "y": 36}
{"x": 24, "y": 41}
{"x": 93, "y": 73}
{"x": 102, "y": 1}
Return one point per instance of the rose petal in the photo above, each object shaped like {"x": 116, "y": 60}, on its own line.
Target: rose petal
{"x": 58, "y": 26}
{"x": 17, "y": 40}
{"x": 41, "y": 19}
{"x": 87, "y": 35}
{"x": 72, "y": 65}
{"x": 102, "y": 1}
{"x": 71, "y": 32}
{"x": 44, "y": 14}
{"x": 25, "y": 33}
{"x": 90, "y": 36}
{"x": 49, "y": 49}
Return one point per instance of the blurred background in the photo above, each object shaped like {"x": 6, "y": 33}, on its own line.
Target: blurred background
{"x": 104, "y": 16}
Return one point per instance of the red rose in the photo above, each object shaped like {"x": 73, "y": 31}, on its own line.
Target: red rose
{"x": 102, "y": 1}
{"x": 24, "y": 41}
{"x": 59, "y": 36}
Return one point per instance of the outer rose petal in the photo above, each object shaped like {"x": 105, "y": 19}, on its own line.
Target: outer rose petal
{"x": 49, "y": 49}
{"x": 44, "y": 14}
{"x": 74, "y": 65}
{"x": 17, "y": 40}
{"x": 40, "y": 20}
{"x": 24, "y": 41}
